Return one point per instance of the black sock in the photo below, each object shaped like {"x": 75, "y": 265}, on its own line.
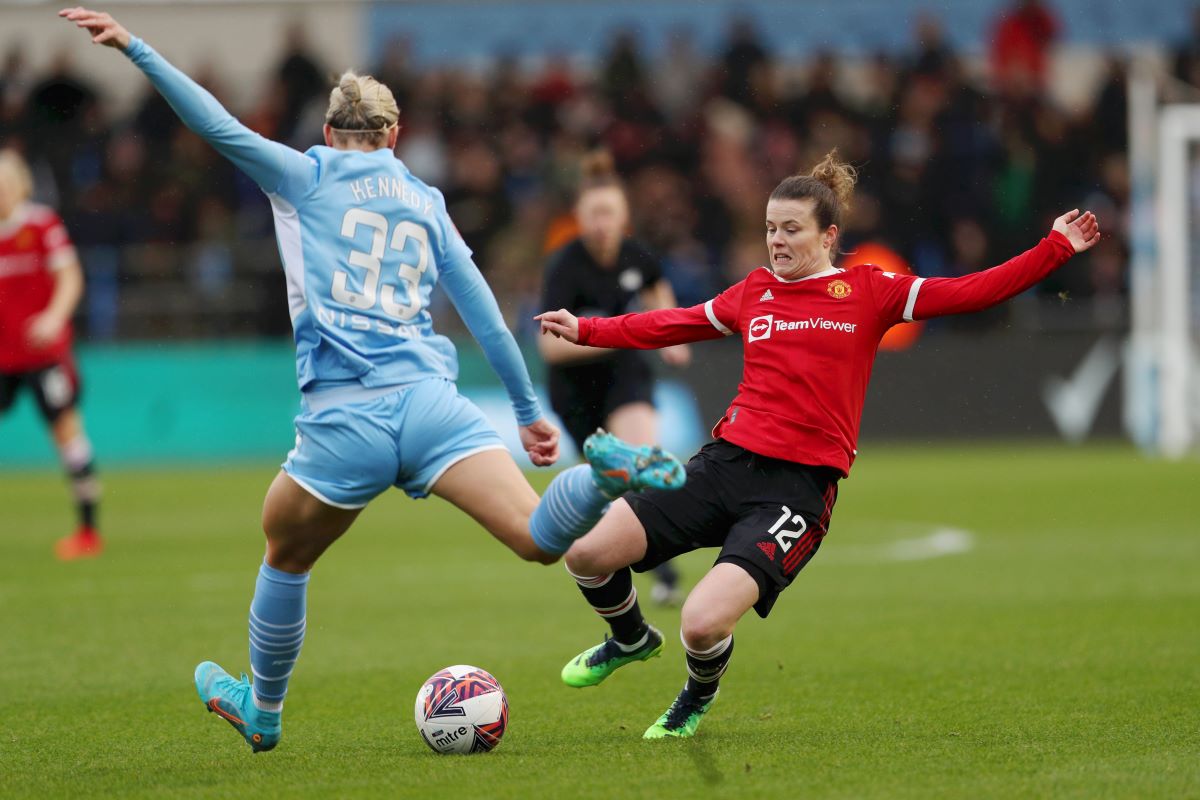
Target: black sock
{"x": 615, "y": 598}
{"x": 705, "y": 668}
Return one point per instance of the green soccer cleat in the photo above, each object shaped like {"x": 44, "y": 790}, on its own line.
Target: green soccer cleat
{"x": 233, "y": 701}
{"x": 593, "y": 665}
{"x": 681, "y": 719}
{"x": 619, "y": 467}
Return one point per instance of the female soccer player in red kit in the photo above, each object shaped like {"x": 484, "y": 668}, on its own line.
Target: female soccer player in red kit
{"x": 763, "y": 491}
{"x": 41, "y": 282}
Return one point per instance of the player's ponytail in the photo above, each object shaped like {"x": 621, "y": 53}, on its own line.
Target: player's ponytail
{"x": 830, "y": 186}
{"x": 839, "y": 176}
{"x": 13, "y": 168}
{"x": 361, "y": 109}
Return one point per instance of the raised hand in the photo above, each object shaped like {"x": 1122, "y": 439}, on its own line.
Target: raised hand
{"x": 540, "y": 441}
{"x": 102, "y": 27}
{"x": 1082, "y": 231}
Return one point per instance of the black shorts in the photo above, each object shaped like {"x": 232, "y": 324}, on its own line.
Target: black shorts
{"x": 55, "y": 388}
{"x": 768, "y": 516}
{"x": 585, "y": 402}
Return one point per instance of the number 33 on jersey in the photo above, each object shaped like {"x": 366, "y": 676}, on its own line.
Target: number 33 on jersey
{"x": 363, "y": 249}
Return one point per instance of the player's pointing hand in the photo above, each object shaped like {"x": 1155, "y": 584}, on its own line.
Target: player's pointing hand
{"x": 561, "y": 323}
{"x": 103, "y": 28}
{"x": 1083, "y": 231}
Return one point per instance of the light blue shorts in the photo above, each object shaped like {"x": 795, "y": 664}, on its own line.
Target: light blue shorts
{"x": 347, "y": 453}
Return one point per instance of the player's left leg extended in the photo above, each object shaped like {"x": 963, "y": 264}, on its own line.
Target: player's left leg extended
{"x": 490, "y": 487}
{"x": 299, "y": 528}
{"x": 710, "y": 613}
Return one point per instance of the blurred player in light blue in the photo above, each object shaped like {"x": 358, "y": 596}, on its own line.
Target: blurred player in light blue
{"x": 362, "y": 243}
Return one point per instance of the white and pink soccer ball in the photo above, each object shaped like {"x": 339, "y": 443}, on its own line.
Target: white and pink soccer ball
{"x": 461, "y": 709}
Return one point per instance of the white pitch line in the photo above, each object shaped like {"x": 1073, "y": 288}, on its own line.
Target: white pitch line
{"x": 938, "y": 543}
{"x": 942, "y": 542}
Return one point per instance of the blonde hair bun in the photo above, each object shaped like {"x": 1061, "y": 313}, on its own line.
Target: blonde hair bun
{"x": 361, "y": 103}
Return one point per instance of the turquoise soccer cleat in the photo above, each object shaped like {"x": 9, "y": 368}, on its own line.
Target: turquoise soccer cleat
{"x": 618, "y": 467}
{"x": 233, "y": 701}
{"x": 681, "y": 719}
{"x": 595, "y": 664}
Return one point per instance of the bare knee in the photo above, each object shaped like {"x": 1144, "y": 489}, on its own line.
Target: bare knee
{"x": 703, "y": 630}
{"x": 287, "y": 548}
{"x": 587, "y": 559}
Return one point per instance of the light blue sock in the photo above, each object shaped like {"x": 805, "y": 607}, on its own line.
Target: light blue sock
{"x": 276, "y": 633}
{"x": 571, "y": 507}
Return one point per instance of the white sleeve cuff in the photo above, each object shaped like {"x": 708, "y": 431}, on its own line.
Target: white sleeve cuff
{"x": 911, "y": 305}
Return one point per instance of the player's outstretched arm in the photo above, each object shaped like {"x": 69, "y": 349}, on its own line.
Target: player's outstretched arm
{"x": 273, "y": 166}
{"x": 1072, "y": 233}
{"x": 648, "y": 330}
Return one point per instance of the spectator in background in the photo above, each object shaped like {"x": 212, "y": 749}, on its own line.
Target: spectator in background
{"x": 678, "y": 76}
{"x": 744, "y": 55}
{"x": 1021, "y": 39}
{"x": 933, "y": 56}
{"x": 301, "y": 78}
{"x": 56, "y": 112}
{"x": 1187, "y": 54}
{"x": 15, "y": 83}
{"x": 622, "y": 73}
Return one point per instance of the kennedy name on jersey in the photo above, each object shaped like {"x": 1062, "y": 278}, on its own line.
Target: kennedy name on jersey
{"x": 389, "y": 186}
{"x": 762, "y": 327}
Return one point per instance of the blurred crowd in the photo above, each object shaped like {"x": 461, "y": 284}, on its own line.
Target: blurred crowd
{"x": 962, "y": 162}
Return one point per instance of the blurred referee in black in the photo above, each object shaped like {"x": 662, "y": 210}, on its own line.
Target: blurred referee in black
{"x": 603, "y": 273}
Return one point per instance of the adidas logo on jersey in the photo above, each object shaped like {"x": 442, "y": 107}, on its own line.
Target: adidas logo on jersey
{"x": 766, "y": 296}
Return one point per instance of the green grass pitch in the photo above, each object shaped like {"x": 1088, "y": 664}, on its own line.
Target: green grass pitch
{"x": 1053, "y": 652}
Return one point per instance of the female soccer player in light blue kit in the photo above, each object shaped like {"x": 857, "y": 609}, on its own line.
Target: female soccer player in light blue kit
{"x": 362, "y": 243}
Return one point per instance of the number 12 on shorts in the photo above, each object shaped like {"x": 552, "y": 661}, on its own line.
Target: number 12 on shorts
{"x": 784, "y": 537}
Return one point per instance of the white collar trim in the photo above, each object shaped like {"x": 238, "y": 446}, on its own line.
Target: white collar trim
{"x": 822, "y": 274}
{"x": 14, "y": 222}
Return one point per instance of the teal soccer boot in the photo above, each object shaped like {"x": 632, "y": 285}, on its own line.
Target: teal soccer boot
{"x": 618, "y": 467}
{"x": 233, "y": 701}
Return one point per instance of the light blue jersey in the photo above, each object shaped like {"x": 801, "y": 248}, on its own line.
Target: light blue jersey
{"x": 363, "y": 242}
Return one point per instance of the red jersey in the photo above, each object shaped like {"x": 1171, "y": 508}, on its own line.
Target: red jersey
{"x": 33, "y": 246}
{"x": 809, "y": 344}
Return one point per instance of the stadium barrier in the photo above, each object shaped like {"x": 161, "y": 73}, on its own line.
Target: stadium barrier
{"x": 207, "y": 403}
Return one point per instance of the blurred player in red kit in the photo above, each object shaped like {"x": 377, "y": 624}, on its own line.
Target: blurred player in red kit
{"x": 763, "y": 491}
{"x": 41, "y": 283}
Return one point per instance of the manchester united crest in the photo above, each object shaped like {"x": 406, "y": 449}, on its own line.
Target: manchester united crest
{"x": 838, "y": 289}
